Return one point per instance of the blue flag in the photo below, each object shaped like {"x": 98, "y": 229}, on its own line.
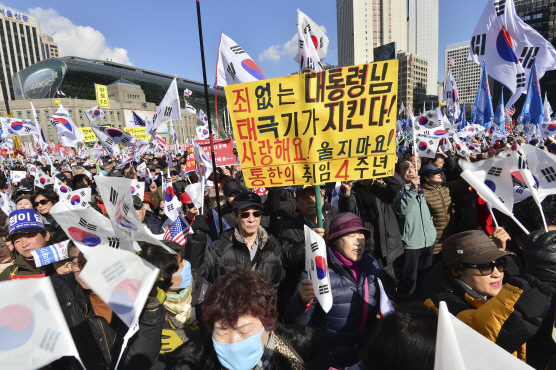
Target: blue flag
{"x": 534, "y": 96}
{"x": 482, "y": 109}
{"x": 138, "y": 121}
{"x": 461, "y": 118}
{"x": 500, "y": 118}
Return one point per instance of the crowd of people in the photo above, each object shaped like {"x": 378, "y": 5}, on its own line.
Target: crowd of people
{"x": 240, "y": 298}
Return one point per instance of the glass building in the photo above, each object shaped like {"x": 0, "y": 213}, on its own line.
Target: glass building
{"x": 76, "y": 78}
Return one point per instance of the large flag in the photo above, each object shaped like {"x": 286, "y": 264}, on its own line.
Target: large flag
{"x": 309, "y": 60}
{"x": 177, "y": 232}
{"x": 66, "y": 130}
{"x": 93, "y": 113}
{"x": 169, "y": 109}
{"x": 316, "y": 266}
{"x": 451, "y": 96}
{"x": 482, "y": 109}
{"x": 493, "y": 43}
{"x": 138, "y": 121}
{"x": 234, "y": 64}
{"x": 533, "y": 101}
{"x": 547, "y": 109}
{"x": 110, "y": 137}
{"x": 315, "y": 34}
{"x": 42, "y": 138}
{"x": 460, "y": 347}
{"x": 17, "y": 127}
{"x": 33, "y": 329}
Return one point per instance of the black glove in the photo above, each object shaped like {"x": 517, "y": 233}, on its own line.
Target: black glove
{"x": 200, "y": 224}
{"x": 540, "y": 255}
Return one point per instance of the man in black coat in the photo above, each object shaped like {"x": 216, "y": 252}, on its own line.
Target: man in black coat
{"x": 247, "y": 244}
{"x": 372, "y": 201}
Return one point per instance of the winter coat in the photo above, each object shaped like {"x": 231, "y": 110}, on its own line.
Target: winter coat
{"x": 344, "y": 318}
{"x": 226, "y": 213}
{"x": 439, "y": 200}
{"x": 179, "y": 187}
{"x": 282, "y": 206}
{"x": 230, "y": 251}
{"x": 98, "y": 342}
{"x": 19, "y": 266}
{"x": 509, "y": 319}
{"x": 153, "y": 223}
{"x": 389, "y": 234}
{"x": 414, "y": 219}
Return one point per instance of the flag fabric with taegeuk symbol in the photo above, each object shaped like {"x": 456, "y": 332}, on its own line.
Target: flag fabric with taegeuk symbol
{"x": 234, "y": 64}
{"x": 93, "y": 113}
{"x": 77, "y": 199}
{"x": 315, "y": 34}
{"x": 66, "y": 130}
{"x": 137, "y": 188}
{"x": 17, "y": 127}
{"x": 41, "y": 179}
{"x": 543, "y": 169}
{"x": 172, "y": 206}
{"x": 547, "y": 130}
{"x": 461, "y": 148}
{"x": 427, "y": 147}
{"x": 33, "y": 329}
{"x": 110, "y": 137}
{"x": 317, "y": 266}
{"x": 168, "y": 110}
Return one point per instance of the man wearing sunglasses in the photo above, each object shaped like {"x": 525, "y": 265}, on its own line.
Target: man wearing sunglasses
{"x": 471, "y": 279}
{"x": 177, "y": 184}
{"x": 27, "y": 234}
{"x": 247, "y": 244}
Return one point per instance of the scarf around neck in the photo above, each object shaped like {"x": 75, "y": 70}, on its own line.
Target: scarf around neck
{"x": 353, "y": 266}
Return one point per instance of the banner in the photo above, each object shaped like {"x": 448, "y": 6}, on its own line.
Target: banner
{"x": 50, "y": 254}
{"x": 138, "y": 132}
{"x": 90, "y": 136}
{"x": 223, "y": 153}
{"x": 334, "y": 125}
{"x": 102, "y": 96}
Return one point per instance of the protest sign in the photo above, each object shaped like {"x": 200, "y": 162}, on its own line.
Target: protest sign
{"x": 333, "y": 125}
{"x": 90, "y": 136}
{"x": 223, "y": 153}
{"x": 17, "y": 176}
{"x": 138, "y": 132}
{"x": 51, "y": 253}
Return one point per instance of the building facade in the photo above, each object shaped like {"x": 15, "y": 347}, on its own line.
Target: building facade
{"x": 365, "y": 24}
{"x": 49, "y": 47}
{"x": 422, "y": 37}
{"x": 21, "y": 45}
{"x": 466, "y": 73}
{"x": 412, "y": 81}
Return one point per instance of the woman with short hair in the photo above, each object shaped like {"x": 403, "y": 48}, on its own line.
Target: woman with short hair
{"x": 43, "y": 200}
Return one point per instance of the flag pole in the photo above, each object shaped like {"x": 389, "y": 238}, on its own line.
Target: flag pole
{"x": 319, "y": 206}
{"x": 207, "y": 107}
{"x": 216, "y": 86}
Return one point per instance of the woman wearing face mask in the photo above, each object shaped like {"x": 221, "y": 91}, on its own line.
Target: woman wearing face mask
{"x": 184, "y": 291}
{"x": 354, "y": 285}
{"x": 240, "y": 315}
{"x": 471, "y": 280}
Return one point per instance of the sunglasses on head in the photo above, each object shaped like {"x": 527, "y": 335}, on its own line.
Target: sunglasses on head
{"x": 255, "y": 214}
{"x": 42, "y": 202}
{"x": 488, "y": 268}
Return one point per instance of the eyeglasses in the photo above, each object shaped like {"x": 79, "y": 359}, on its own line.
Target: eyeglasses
{"x": 42, "y": 202}
{"x": 78, "y": 264}
{"x": 488, "y": 268}
{"x": 255, "y": 214}
{"x": 173, "y": 173}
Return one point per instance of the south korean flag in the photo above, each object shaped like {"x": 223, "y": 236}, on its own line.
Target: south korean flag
{"x": 316, "y": 266}
{"x": 17, "y": 127}
{"x": 430, "y": 119}
{"x": 427, "y": 147}
{"x": 461, "y": 148}
{"x": 94, "y": 113}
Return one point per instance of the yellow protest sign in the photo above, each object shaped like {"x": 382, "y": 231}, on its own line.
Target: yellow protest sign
{"x": 334, "y": 125}
{"x": 138, "y": 132}
{"x": 89, "y": 134}
{"x": 102, "y": 96}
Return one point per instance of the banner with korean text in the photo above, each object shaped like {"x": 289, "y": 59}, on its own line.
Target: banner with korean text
{"x": 90, "y": 136}
{"x": 223, "y": 153}
{"x": 102, "y": 96}
{"x": 334, "y": 125}
{"x": 138, "y": 132}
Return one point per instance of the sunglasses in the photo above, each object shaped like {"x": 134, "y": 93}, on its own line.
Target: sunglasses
{"x": 190, "y": 206}
{"x": 42, "y": 202}
{"x": 488, "y": 268}
{"x": 173, "y": 173}
{"x": 255, "y": 214}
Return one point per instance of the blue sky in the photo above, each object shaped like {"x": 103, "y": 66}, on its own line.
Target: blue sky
{"x": 163, "y": 36}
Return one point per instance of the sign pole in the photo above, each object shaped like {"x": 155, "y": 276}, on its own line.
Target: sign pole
{"x": 319, "y": 205}
{"x": 207, "y": 107}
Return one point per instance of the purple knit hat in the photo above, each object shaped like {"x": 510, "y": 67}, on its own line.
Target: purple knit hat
{"x": 345, "y": 223}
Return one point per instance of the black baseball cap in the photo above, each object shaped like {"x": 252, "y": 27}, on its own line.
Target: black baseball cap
{"x": 429, "y": 169}
{"x": 245, "y": 200}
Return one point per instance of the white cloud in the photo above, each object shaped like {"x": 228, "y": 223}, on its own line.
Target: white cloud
{"x": 79, "y": 41}
{"x": 276, "y": 52}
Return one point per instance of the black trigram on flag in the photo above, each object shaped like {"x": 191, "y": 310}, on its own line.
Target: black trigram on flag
{"x": 48, "y": 342}
{"x": 113, "y": 271}
{"x": 87, "y": 225}
{"x": 125, "y": 208}
{"x": 170, "y": 207}
{"x": 113, "y": 196}
{"x": 520, "y": 79}
{"x": 237, "y": 49}
{"x": 549, "y": 174}
{"x": 499, "y": 7}
{"x": 114, "y": 242}
{"x": 323, "y": 289}
{"x": 528, "y": 55}
{"x": 231, "y": 70}
{"x": 495, "y": 171}
{"x": 314, "y": 246}
{"x": 519, "y": 190}
{"x": 522, "y": 163}
{"x": 478, "y": 44}
{"x": 430, "y": 115}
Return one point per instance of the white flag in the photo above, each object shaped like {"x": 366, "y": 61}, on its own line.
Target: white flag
{"x": 451, "y": 96}
{"x": 110, "y": 137}
{"x": 547, "y": 130}
{"x": 77, "y": 199}
{"x": 94, "y": 113}
{"x": 6, "y": 204}
{"x": 34, "y": 330}
{"x": 195, "y": 193}
{"x": 315, "y": 34}
{"x": 41, "y": 179}
{"x": 42, "y": 138}
{"x": 172, "y": 206}
{"x": 169, "y": 109}
{"x": 138, "y": 188}
{"x": 430, "y": 119}
{"x": 66, "y": 130}
{"x": 235, "y": 65}
{"x": 309, "y": 60}
{"x": 189, "y": 108}
{"x": 460, "y": 347}
{"x": 427, "y": 147}
{"x": 17, "y": 127}
{"x": 202, "y": 117}
{"x": 203, "y": 163}
{"x": 547, "y": 109}
{"x": 461, "y": 148}
{"x": 317, "y": 266}
{"x": 543, "y": 168}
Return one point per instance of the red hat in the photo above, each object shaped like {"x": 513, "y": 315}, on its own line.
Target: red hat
{"x": 147, "y": 198}
{"x": 184, "y": 198}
